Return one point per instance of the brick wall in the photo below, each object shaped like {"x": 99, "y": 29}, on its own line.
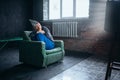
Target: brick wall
{"x": 92, "y": 37}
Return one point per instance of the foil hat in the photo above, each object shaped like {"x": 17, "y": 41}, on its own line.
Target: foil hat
{"x": 33, "y": 22}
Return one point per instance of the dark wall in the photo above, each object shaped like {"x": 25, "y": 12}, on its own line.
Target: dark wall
{"x": 112, "y": 24}
{"x": 38, "y": 10}
{"x": 14, "y": 15}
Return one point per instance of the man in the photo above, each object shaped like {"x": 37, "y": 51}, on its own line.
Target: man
{"x": 39, "y": 35}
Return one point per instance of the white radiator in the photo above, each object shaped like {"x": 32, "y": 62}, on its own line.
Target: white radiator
{"x": 64, "y": 29}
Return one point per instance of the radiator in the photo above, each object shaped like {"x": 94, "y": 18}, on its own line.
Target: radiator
{"x": 64, "y": 29}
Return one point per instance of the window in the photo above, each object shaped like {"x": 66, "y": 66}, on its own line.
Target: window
{"x": 82, "y": 8}
{"x": 54, "y": 9}
{"x": 67, "y": 9}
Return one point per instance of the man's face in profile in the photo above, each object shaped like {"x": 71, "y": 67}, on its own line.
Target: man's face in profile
{"x": 38, "y": 27}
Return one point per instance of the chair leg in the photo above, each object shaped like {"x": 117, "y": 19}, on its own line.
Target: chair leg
{"x": 109, "y": 70}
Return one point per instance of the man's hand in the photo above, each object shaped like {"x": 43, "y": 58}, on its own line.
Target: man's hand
{"x": 41, "y": 31}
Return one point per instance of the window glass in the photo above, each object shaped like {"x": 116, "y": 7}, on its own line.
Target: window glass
{"x": 82, "y": 8}
{"x": 67, "y": 8}
{"x": 54, "y": 9}
{"x": 60, "y": 9}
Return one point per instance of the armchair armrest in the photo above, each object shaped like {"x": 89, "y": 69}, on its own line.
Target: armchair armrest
{"x": 32, "y": 44}
{"x": 59, "y": 43}
{"x": 32, "y": 52}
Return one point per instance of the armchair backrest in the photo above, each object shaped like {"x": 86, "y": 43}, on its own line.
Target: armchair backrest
{"x": 26, "y": 35}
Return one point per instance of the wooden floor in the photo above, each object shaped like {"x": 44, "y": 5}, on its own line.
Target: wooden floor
{"x": 75, "y": 66}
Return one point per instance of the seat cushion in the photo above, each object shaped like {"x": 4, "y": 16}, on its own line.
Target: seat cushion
{"x": 57, "y": 49}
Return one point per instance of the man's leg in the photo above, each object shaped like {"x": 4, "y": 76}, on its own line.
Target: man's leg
{"x": 48, "y": 43}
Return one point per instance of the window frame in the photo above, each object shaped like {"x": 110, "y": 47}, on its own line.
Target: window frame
{"x": 67, "y": 18}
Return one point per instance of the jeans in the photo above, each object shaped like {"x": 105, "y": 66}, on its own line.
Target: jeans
{"x": 48, "y": 43}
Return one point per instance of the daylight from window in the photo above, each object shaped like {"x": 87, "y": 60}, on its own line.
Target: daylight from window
{"x": 82, "y": 8}
{"x": 54, "y": 9}
{"x": 67, "y": 8}
{"x": 62, "y": 9}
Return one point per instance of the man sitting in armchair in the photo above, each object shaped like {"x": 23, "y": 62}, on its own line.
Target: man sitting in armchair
{"x": 38, "y": 47}
{"x": 40, "y": 35}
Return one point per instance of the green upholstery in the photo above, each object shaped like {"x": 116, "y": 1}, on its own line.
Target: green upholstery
{"x": 12, "y": 39}
{"x": 26, "y": 35}
{"x": 57, "y": 49}
{"x": 34, "y": 53}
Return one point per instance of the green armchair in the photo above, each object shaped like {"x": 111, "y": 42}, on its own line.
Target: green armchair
{"x": 34, "y": 52}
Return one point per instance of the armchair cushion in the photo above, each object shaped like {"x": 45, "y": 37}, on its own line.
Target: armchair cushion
{"x": 53, "y": 50}
{"x": 26, "y": 35}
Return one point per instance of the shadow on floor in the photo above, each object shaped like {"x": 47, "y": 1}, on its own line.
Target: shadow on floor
{"x": 12, "y": 69}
